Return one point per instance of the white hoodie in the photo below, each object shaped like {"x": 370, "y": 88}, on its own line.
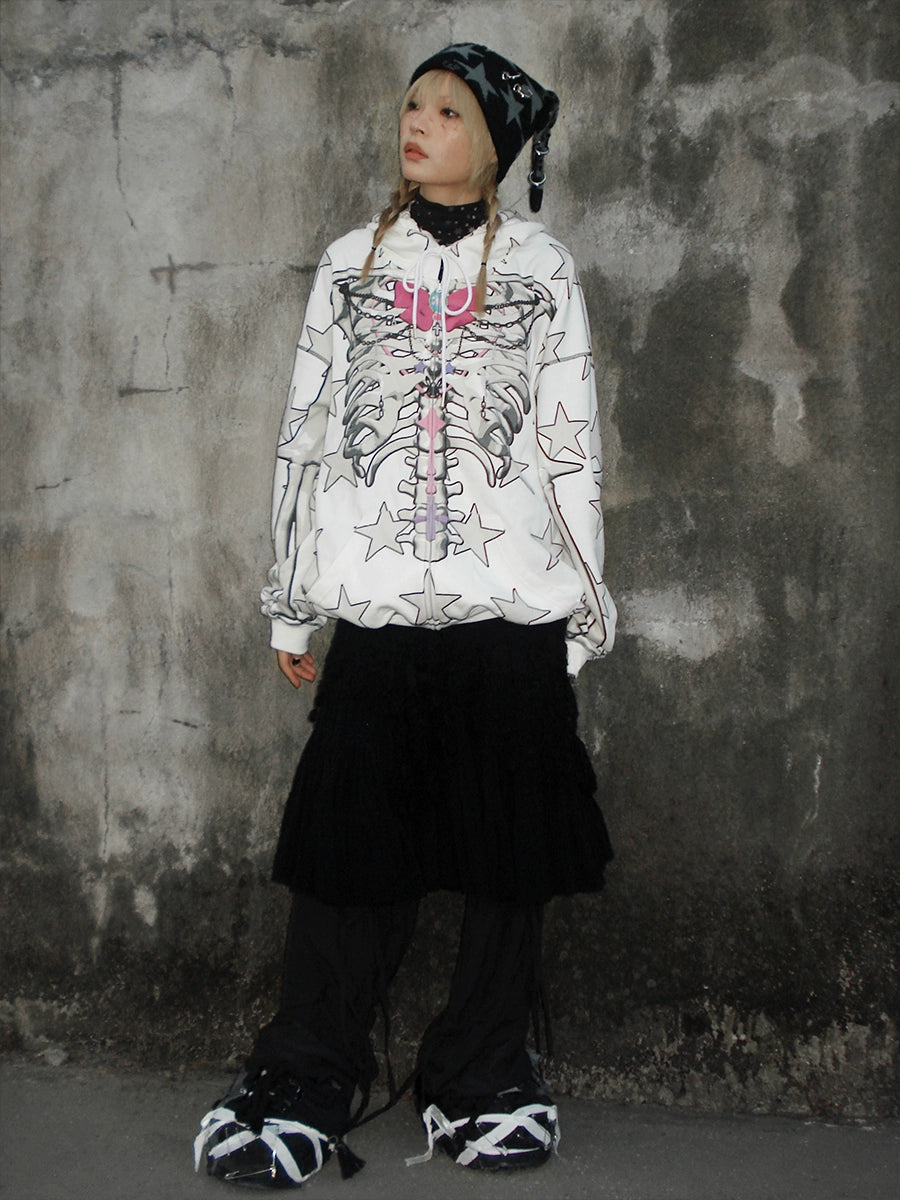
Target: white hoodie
{"x": 436, "y": 466}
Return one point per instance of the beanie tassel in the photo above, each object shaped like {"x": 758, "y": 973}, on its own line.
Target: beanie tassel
{"x": 539, "y": 150}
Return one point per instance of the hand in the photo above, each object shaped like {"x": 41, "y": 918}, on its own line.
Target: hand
{"x": 296, "y": 667}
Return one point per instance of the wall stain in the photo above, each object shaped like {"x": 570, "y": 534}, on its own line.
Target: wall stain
{"x": 50, "y": 487}
{"x": 126, "y": 391}
{"x": 173, "y": 270}
{"x": 116, "y": 111}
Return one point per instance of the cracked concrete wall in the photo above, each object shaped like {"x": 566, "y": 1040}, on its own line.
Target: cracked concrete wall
{"x": 725, "y": 173}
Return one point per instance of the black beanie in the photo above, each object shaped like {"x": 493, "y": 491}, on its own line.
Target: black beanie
{"x": 515, "y": 106}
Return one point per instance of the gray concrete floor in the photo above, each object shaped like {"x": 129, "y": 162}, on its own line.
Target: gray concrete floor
{"x": 76, "y": 1133}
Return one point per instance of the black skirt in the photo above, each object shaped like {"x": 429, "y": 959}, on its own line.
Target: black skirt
{"x": 443, "y": 760}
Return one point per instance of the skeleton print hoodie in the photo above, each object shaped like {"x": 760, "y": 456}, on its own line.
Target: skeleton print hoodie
{"x": 437, "y": 465}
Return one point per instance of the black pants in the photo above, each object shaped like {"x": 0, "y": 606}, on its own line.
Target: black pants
{"x": 338, "y": 965}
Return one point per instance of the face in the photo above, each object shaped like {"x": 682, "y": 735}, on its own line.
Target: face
{"x": 436, "y": 150}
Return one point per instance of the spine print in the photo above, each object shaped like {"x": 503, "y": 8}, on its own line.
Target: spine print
{"x": 429, "y": 489}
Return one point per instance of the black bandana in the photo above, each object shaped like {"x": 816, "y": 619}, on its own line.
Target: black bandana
{"x": 447, "y": 223}
{"x": 515, "y": 106}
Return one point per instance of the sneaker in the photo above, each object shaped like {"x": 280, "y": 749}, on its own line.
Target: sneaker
{"x": 254, "y": 1134}
{"x": 508, "y": 1134}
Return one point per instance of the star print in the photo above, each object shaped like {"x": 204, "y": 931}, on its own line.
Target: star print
{"x": 319, "y": 343}
{"x": 475, "y": 536}
{"x": 429, "y": 601}
{"x": 461, "y": 613}
{"x": 467, "y": 52}
{"x": 516, "y": 608}
{"x": 563, "y": 434}
{"x": 347, "y": 610}
{"x": 339, "y": 467}
{"x": 514, "y": 108}
{"x": 584, "y": 355}
{"x": 382, "y": 534}
{"x": 562, "y": 273}
{"x": 551, "y": 544}
{"x": 313, "y": 400}
{"x": 551, "y": 344}
{"x": 515, "y": 470}
{"x": 293, "y": 427}
{"x": 556, "y": 468}
{"x": 478, "y": 75}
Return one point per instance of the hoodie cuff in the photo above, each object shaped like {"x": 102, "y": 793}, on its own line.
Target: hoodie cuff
{"x": 292, "y": 638}
{"x": 576, "y": 655}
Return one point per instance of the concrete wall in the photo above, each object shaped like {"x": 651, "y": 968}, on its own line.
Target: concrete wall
{"x": 726, "y": 174}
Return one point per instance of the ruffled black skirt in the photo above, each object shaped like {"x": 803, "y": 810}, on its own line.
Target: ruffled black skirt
{"x": 443, "y": 760}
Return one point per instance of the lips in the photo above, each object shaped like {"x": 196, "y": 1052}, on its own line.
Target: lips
{"x": 414, "y": 151}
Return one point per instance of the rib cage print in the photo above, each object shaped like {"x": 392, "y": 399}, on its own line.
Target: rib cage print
{"x": 438, "y": 466}
{"x": 431, "y": 380}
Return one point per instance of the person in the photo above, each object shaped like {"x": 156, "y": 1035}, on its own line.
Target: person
{"x": 437, "y": 493}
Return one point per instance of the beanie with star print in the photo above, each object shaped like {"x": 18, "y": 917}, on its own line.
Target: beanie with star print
{"x": 515, "y": 106}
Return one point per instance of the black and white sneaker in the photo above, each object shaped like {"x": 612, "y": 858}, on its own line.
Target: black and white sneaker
{"x": 511, "y": 1132}
{"x": 255, "y": 1134}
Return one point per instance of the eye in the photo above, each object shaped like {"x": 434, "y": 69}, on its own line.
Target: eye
{"x": 447, "y": 111}
{"x": 412, "y": 105}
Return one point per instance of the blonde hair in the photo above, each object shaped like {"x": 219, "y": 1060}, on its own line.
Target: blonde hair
{"x": 432, "y": 87}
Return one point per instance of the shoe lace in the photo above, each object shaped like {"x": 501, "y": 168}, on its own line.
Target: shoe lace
{"x": 268, "y": 1091}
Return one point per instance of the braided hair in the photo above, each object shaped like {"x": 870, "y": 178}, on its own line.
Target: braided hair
{"x": 492, "y": 209}
{"x": 399, "y": 201}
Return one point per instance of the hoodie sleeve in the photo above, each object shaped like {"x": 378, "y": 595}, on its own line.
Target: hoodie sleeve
{"x": 569, "y": 444}
{"x": 297, "y": 463}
